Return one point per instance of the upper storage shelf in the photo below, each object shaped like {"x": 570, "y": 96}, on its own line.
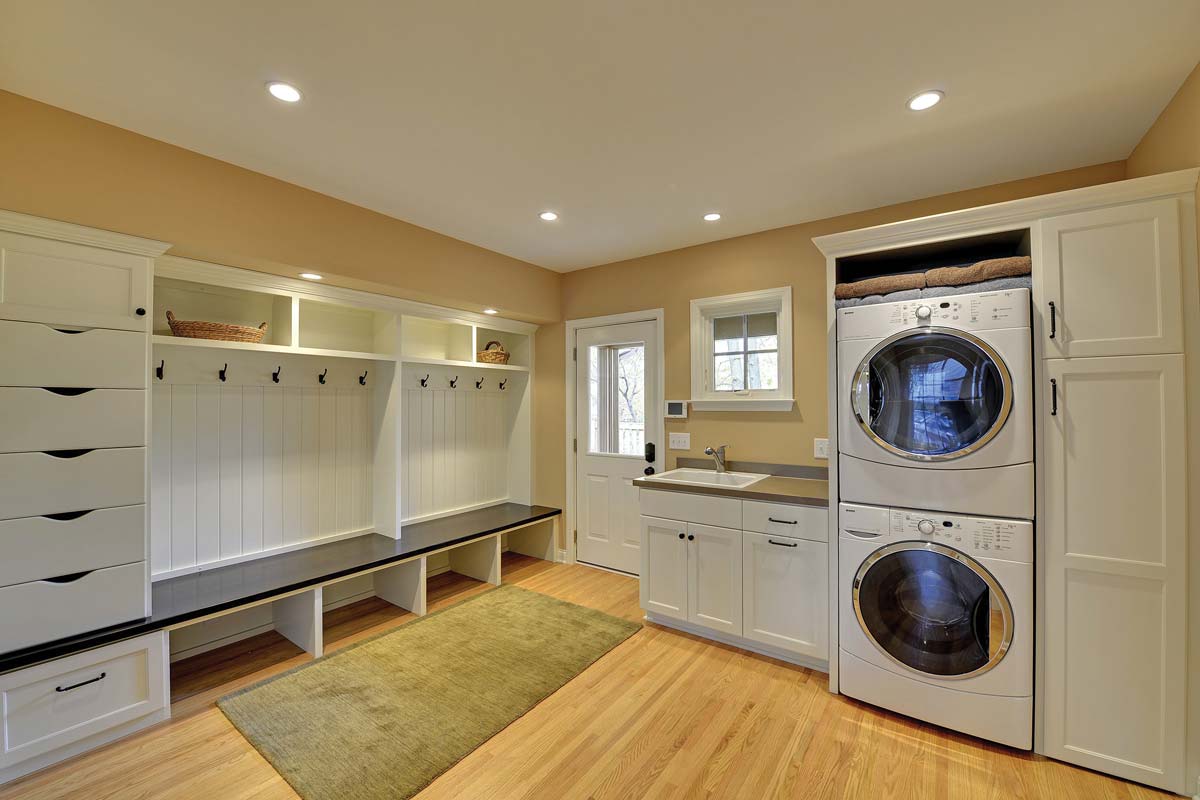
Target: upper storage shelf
{"x": 425, "y": 340}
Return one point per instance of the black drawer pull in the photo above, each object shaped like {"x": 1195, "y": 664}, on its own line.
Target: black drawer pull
{"x": 681, "y": 536}
{"x": 99, "y": 677}
{"x": 68, "y": 453}
{"x": 782, "y": 544}
{"x": 782, "y": 521}
{"x": 1053, "y": 397}
{"x": 1053, "y": 320}
{"x": 66, "y": 391}
{"x": 68, "y": 515}
{"x": 71, "y": 578}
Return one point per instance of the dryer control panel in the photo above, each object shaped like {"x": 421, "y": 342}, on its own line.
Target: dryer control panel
{"x": 968, "y": 312}
{"x": 979, "y": 537}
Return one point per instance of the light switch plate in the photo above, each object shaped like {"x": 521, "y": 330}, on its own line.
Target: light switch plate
{"x": 820, "y": 448}
{"x": 680, "y": 441}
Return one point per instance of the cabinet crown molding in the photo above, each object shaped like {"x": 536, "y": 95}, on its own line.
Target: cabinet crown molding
{"x": 14, "y": 222}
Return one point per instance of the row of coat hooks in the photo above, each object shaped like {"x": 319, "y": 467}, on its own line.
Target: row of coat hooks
{"x": 454, "y": 383}
{"x": 223, "y": 374}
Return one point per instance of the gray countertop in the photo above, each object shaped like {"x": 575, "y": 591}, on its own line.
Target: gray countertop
{"x": 773, "y": 489}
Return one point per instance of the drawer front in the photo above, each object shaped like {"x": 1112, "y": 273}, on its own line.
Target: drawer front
{"x": 34, "y": 548}
{"x": 786, "y": 593}
{"x": 67, "y": 419}
{"x": 39, "y": 355}
{"x": 46, "y": 610}
{"x": 58, "y": 283}
{"x": 55, "y": 704}
{"x": 33, "y": 484}
{"x": 722, "y": 512}
{"x": 782, "y": 519}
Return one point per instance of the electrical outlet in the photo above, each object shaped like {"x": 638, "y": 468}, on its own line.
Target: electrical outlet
{"x": 820, "y": 448}
{"x": 680, "y": 441}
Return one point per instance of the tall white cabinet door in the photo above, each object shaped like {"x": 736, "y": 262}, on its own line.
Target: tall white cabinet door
{"x": 664, "y": 578}
{"x": 58, "y": 283}
{"x": 784, "y": 593}
{"x": 715, "y": 578}
{"x": 1115, "y": 532}
{"x": 1110, "y": 281}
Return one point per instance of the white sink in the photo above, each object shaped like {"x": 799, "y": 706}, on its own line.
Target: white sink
{"x": 708, "y": 477}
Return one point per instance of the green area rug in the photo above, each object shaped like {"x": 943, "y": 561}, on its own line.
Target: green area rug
{"x": 384, "y": 717}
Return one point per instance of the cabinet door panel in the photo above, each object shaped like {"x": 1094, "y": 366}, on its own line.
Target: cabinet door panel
{"x": 785, "y": 593}
{"x": 1115, "y": 531}
{"x": 664, "y": 578}
{"x": 715, "y": 578}
{"x": 1113, "y": 276}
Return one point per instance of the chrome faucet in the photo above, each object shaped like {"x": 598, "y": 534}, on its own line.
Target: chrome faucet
{"x": 718, "y": 456}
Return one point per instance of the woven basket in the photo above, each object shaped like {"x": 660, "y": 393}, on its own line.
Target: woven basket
{"x": 191, "y": 329}
{"x": 493, "y": 353}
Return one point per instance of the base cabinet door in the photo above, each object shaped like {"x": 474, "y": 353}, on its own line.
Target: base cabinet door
{"x": 664, "y": 579}
{"x": 1115, "y": 531}
{"x": 785, "y": 593}
{"x": 715, "y": 578}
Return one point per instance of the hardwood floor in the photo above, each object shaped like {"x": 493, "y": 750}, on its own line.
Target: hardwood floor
{"x": 662, "y": 715}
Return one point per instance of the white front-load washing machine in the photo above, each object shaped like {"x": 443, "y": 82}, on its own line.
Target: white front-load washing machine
{"x": 936, "y": 618}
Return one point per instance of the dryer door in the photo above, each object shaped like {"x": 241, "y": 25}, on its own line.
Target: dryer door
{"x": 932, "y": 394}
{"x": 933, "y": 609}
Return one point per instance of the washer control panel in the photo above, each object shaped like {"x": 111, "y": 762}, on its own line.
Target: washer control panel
{"x": 986, "y": 311}
{"x": 979, "y": 537}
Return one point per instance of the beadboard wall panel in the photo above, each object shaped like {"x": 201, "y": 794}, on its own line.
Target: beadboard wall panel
{"x": 242, "y": 470}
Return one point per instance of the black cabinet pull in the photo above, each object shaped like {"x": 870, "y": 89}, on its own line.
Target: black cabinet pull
{"x": 99, "y": 677}
{"x": 1053, "y": 397}
{"x": 66, "y": 391}
{"x": 691, "y": 537}
{"x": 67, "y": 453}
{"x": 782, "y": 521}
{"x": 74, "y": 576}
{"x": 1053, "y": 321}
{"x": 66, "y": 516}
{"x": 782, "y": 544}
{"x": 141, "y": 312}
{"x": 681, "y": 536}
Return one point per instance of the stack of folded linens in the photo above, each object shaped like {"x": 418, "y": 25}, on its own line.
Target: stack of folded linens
{"x": 885, "y": 284}
{"x": 981, "y": 271}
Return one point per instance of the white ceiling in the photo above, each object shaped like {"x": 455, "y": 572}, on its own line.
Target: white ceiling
{"x": 631, "y": 118}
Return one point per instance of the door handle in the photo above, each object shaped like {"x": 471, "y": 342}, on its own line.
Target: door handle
{"x": 691, "y": 538}
{"x": 1053, "y": 397}
{"x": 1053, "y": 320}
{"x": 650, "y": 453}
{"x": 681, "y": 536}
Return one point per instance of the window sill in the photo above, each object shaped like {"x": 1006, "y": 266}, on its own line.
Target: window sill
{"x": 744, "y": 404}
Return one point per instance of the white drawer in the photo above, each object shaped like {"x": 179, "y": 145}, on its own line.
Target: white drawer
{"x": 34, "y": 548}
{"x": 784, "y": 519}
{"x": 706, "y": 509}
{"x": 60, "y": 419}
{"x": 32, "y": 484}
{"x": 42, "y": 611}
{"x": 39, "y": 355}
{"x": 53, "y": 705}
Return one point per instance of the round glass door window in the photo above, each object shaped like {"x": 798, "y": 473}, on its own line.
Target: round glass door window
{"x": 933, "y": 609}
{"x": 932, "y": 394}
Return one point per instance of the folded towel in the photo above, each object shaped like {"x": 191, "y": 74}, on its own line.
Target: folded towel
{"x": 873, "y": 299}
{"x": 997, "y": 285}
{"x": 885, "y": 284}
{"x": 981, "y": 271}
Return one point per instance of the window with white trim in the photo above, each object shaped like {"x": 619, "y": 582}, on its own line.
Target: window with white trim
{"x": 741, "y": 352}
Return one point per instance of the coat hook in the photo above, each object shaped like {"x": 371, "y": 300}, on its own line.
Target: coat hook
{"x": 275, "y": 374}
{"x": 502, "y": 384}
{"x": 454, "y": 382}
{"x": 424, "y": 381}
{"x": 479, "y": 383}
{"x": 222, "y": 372}
{"x": 362, "y": 379}
{"x": 158, "y": 371}
{"x": 321, "y": 377}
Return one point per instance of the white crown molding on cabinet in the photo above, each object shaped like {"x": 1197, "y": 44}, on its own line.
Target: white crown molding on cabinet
{"x": 15, "y": 222}
{"x": 1004, "y": 216}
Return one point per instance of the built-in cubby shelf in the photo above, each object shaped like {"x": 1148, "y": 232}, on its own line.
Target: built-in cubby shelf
{"x": 179, "y": 341}
{"x": 441, "y": 362}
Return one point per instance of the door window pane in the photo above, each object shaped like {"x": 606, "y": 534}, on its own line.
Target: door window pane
{"x": 746, "y": 352}
{"x": 616, "y": 399}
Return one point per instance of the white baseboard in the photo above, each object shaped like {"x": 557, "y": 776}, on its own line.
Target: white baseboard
{"x": 740, "y": 643}
{"x": 560, "y": 557}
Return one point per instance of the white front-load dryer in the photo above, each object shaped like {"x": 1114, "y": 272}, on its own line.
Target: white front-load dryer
{"x": 935, "y": 404}
{"x": 936, "y": 618}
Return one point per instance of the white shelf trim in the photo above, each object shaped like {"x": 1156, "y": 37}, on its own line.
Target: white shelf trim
{"x": 216, "y": 344}
{"x": 445, "y": 362}
{"x": 79, "y": 234}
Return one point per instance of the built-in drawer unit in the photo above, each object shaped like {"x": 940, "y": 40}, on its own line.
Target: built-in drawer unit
{"x": 722, "y": 512}
{"x": 40, "y": 355}
{"x": 33, "y": 484}
{"x": 66, "y": 419}
{"x": 34, "y": 548}
{"x": 42, "y": 611}
{"x": 60, "y": 703}
{"x": 783, "y": 519}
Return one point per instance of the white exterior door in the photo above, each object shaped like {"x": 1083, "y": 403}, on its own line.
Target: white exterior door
{"x": 664, "y": 576}
{"x": 1111, "y": 281}
{"x": 618, "y": 417}
{"x": 785, "y": 593}
{"x": 715, "y": 578}
{"x": 1115, "y": 531}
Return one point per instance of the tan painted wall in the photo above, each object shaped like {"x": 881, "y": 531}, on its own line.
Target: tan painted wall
{"x": 785, "y": 256}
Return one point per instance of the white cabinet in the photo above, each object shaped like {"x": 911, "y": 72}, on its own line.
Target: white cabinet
{"x": 714, "y": 587}
{"x": 1115, "y": 533}
{"x": 1110, "y": 281}
{"x": 785, "y": 586}
{"x": 664, "y": 580}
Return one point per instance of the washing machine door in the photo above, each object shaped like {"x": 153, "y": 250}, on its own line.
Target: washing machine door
{"x": 933, "y": 609}
{"x": 932, "y": 394}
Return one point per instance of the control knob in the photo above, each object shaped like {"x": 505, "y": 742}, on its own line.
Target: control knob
{"x": 924, "y": 312}
{"x": 925, "y": 526}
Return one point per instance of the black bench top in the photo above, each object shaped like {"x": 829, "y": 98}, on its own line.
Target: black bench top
{"x": 200, "y": 594}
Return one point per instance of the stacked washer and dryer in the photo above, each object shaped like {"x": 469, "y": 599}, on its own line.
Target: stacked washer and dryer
{"x": 936, "y": 543}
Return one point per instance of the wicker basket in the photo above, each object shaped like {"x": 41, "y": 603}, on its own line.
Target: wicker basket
{"x": 191, "y": 329}
{"x": 493, "y": 353}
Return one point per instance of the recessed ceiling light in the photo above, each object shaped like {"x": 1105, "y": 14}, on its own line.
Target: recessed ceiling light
{"x": 925, "y": 100}
{"x": 548, "y": 216}
{"x": 490, "y": 311}
{"x": 284, "y": 91}
{"x": 310, "y": 276}
{"x": 712, "y": 217}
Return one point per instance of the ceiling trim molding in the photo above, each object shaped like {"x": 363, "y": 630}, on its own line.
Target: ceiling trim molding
{"x": 999, "y": 216}
{"x": 41, "y": 227}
